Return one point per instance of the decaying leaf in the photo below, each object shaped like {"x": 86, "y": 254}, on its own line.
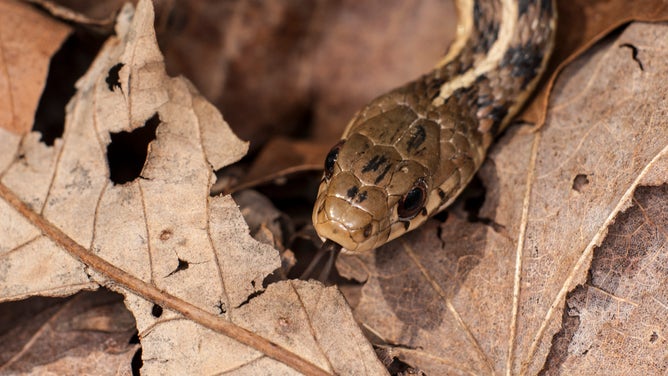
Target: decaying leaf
{"x": 88, "y": 334}
{"x": 184, "y": 261}
{"x": 580, "y": 25}
{"x": 28, "y": 39}
{"x": 488, "y": 297}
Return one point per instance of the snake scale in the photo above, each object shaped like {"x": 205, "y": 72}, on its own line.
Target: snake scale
{"x": 408, "y": 153}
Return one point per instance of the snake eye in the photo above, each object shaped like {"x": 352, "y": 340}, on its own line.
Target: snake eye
{"x": 331, "y": 158}
{"x": 413, "y": 201}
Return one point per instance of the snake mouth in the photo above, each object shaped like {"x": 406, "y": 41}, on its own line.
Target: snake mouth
{"x": 351, "y": 227}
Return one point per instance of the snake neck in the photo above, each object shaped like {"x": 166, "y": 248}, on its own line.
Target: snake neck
{"x": 506, "y": 46}
{"x": 410, "y": 152}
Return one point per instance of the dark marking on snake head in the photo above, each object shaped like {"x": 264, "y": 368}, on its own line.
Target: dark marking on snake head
{"x": 524, "y": 62}
{"x": 417, "y": 138}
{"x": 352, "y": 192}
{"x": 382, "y": 174}
{"x": 113, "y": 79}
{"x": 406, "y": 224}
{"x": 423, "y": 212}
{"x": 362, "y": 196}
{"x": 374, "y": 163}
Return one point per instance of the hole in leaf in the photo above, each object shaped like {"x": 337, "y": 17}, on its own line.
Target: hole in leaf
{"x": 579, "y": 182}
{"x": 156, "y": 311}
{"x": 68, "y": 64}
{"x": 113, "y": 80}
{"x": 136, "y": 363}
{"x": 183, "y": 265}
{"x": 127, "y": 151}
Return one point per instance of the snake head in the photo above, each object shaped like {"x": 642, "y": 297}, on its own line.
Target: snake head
{"x": 374, "y": 189}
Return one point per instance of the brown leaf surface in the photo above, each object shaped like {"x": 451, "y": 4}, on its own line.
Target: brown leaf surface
{"x": 487, "y": 297}
{"x": 580, "y": 25}
{"x": 290, "y": 67}
{"x": 622, "y": 307}
{"x": 88, "y": 334}
{"x": 28, "y": 39}
{"x": 184, "y": 261}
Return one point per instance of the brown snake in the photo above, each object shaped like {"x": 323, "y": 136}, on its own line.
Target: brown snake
{"x": 408, "y": 153}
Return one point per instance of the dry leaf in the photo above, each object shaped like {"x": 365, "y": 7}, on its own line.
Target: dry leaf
{"x": 580, "y": 25}
{"x": 88, "y": 334}
{"x": 184, "y": 261}
{"x": 28, "y": 39}
{"x": 488, "y": 297}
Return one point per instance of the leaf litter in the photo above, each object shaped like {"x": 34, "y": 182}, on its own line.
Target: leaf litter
{"x": 488, "y": 336}
{"x": 497, "y": 293}
{"x": 160, "y": 239}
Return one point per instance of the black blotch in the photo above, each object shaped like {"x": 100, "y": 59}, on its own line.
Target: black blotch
{"x": 497, "y": 114}
{"x": 136, "y": 363}
{"x": 221, "y": 308}
{"x": 362, "y": 196}
{"x": 367, "y": 230}
{"x": 488, "y": 32}
{"x": 156, "y": 311}
{"x": 523, "y": 6}
{"x": 126, "y": 153}
{"x": 113, "y": 80}
{"x": 183, "y": 265}
{"x": 524, "y": 62}
{"x": 352, "y": 192}
{"x": 423, "y": 212}
{"x": 406, "y": 224}
{"x": 68, "y": 64}
{"x": 417, "y": 138}
{"x": 579, "y": 182}
{"x": 382, "y": 174}
{"x": 374, "y": 163}
{"x": 434, "y": 88}
{"x": 634, "y": 54}
{"x": 653, "y": 337}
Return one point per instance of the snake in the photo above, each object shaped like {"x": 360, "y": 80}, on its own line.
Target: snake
{"x": 408, "y": 154}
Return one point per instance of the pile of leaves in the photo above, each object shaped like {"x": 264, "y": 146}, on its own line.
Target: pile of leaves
{"x": 155, "y": 223}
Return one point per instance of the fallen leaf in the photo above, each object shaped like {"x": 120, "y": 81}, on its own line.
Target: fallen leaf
{"x": 28, "y": 39}
{"x": 487, "y": 297}
{"x": 189, "y": 271}
{"x": 88, "y": 334}
{"x": 621, "y": 309}
{"x": 580, "y": 25}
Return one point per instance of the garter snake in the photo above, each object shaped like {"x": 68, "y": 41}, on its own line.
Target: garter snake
{"x": 408, "y": 153}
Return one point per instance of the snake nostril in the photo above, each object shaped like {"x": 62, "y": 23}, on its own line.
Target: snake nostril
{"x": 367, "y": 230}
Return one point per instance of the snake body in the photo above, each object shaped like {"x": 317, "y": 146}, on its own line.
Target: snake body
{"x": 408, "y": 153}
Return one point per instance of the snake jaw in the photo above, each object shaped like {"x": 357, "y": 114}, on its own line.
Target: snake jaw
{"x": 343, "y": 218}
